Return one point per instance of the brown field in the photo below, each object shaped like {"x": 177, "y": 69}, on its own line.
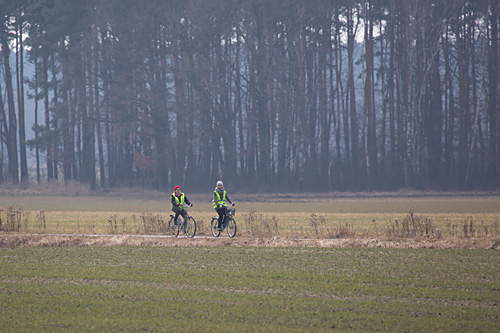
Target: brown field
{"x": 276, "y": 220}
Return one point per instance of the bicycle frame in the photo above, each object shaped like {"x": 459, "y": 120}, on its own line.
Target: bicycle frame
{"x": 182, "y": 225}
{"x": 181, "y": 221}
{"x": 230, "y": 213}
{"x": 228, "y": 224}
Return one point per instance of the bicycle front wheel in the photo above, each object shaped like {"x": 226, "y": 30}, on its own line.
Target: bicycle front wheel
{"x": 190, "y": 227}
{"x": 213, "y": 225}
{"x": 172, "y": 228}
{"x": 231, "y": 227}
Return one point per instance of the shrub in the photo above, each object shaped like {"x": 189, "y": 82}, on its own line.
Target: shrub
{"x": 413, "y": 226}
{"x": 260, "y": 225}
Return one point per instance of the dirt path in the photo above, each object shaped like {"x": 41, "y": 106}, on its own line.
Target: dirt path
{"x": 46, "y": 240}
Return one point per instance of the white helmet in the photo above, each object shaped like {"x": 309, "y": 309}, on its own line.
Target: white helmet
{"x": 220, "y": 183}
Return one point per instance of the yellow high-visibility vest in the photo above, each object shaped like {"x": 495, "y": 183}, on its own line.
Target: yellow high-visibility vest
{"x": 221, "y": 202}
{"x": 180, "y": 202}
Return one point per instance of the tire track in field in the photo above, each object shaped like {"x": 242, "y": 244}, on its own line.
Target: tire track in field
{"x": 168, "y": 286}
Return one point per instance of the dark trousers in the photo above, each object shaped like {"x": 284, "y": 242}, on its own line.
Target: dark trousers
{"x": 222, "y": 211}
{"x": 178, "y": 212}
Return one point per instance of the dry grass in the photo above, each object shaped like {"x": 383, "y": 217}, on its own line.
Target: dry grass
{"x": 26, "y": 240}
{"x": 14, "y": 219}
{"x": 260, "y": 225}
{"x": 254, "y": 224}
{"x": 413, "y": 226}
{"x": 338, "y": 219}
{"x": 322, "y": 229}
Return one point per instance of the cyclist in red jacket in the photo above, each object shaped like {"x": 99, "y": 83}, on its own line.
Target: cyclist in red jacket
{"x": 179, "y": 203}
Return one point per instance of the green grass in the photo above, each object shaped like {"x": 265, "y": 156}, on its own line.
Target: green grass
{"x": 252, "y": 289}
{"x": 248, "y": 289}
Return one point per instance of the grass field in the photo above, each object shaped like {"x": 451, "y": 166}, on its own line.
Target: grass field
{"x": 248, "y": 289}
{"x": 65, "y": 283}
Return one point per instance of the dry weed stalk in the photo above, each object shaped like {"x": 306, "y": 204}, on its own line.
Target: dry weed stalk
{"x": 321, "y": 229}
{"x": 41, "y": 226}
{"x": 344, "y": 231}
{"x": 261, "y": 226}
{"x": 413, "y": 226}
{"x": 123, "y": 221}
{"x": 200, "y": 227}
{"x": 470, "y": 229}
{"x": 496, "y": 228}
{"x": 151, "y": 223}
{"x": 14, "y": 219}
{"x": 136, "y": 227}
{"x": 375, "y": 226}
{"x": 113, "y": 224}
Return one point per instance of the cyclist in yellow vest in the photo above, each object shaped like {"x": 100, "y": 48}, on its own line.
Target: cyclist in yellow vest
{"x": 179, "y": 202}
{"x": 220, "y": 202}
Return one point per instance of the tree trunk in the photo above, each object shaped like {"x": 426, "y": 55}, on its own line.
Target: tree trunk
{"x": 67, "y": 146}
{"x": 4, "y": 135}
{"x": 404, "y": 112}
{"x": 97, "y": 116}
{"x": 493, "y": 113}
{"x": 326, "y": 111}
{"x": 20, "y": 100}
{"x": 342, "y": 108}
{"x": 54, "y": 144}
{"x": 391, "y": 86}
{"x": 91, "y": 119}
{"x": 49, "y": 158}
{"x": 449, "y": 170}
{"x": 37, "y": 149}
{"x": 353, "y": 117}
{"x": 261, "y": 100}
{"x": 11, "y": 143}
{"x": 463, "y": 89}
{"x": 369, "y": 95}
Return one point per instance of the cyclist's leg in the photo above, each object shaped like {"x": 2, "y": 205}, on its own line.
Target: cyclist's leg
{"x": 222, "y": 212}
{"x": 177, "y": 211}
{"x": 183, "y": 214}
{"x": 224, "y": 217}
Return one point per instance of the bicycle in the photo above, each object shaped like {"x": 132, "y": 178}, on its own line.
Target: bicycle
{"x": 188, "y": 225}
{"x": 228, "y": 223}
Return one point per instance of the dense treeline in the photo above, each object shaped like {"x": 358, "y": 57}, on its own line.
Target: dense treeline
{"x": 266, "y": 95}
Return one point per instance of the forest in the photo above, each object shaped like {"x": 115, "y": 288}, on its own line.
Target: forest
{"x": 266, "y": 95}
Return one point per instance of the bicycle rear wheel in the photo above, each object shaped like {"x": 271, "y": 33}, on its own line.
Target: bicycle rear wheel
{"x": 190, "y": 227}
{"x": 172, "y": 228}
{"x": 231, "y": 227}
{"x": 213, "y": 225}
